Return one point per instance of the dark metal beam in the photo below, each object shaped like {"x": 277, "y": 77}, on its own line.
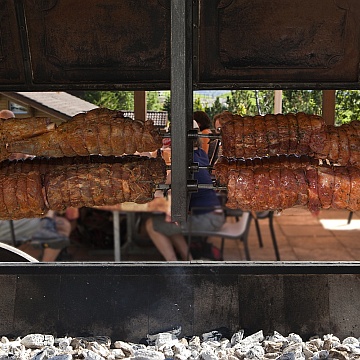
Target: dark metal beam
{"x": 23, "y": 32}
{"x": 181, "y": 104}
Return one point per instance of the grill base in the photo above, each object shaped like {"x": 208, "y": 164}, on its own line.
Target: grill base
{"x": 127, "y": 301}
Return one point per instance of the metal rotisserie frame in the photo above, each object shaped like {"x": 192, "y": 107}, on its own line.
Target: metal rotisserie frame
{"x": 128, "y": 45}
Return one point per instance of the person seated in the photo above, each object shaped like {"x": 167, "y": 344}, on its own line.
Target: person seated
{"x": 218, "y": 122}
{"x": 204, "y": 213}
{"x": 43, "y": 238}
{"x": 204, "y": 123}
{"x": 6, "y": 114}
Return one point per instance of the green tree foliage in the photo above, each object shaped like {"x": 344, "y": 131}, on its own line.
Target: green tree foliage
{"x": 121, "y": 100}
{"x": 198, "y": 105}
{"x": 216, "y": 108}
{"x": 251, "y": 102}
{"x": 243, "y": 102}
{"x": 254, "y": 102}
{"x": 308, "y": 101}
{"x": 152, "y": 101}
{"x": 167, "y": 106}
{"x": 114, "y": 100}
{"x": 347, "y": 107}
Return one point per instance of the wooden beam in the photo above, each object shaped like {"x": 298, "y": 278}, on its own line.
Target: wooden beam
{"x": 140, "y": 105}
{"x": 277, "y": 101}
{"x": 328, "y": 106}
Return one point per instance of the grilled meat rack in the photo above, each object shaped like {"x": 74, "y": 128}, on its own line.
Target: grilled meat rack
{"x": 181, "y": 46}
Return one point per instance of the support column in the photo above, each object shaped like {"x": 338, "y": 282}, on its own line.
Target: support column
{"x": 140, "y": 105}
{"x": 277, "y": 101}
{"x": 181, "y": 105}
{"x": 328, "y": 106}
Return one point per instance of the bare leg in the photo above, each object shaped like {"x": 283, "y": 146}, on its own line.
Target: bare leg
{"x": 63, "y": 227}
{"x": 29, "y": 249}
{"x": 47, "y": 254}
{"x": 180, "y": 244}
{"x": 161, "y": 241}
{"x": 50, "y": 254}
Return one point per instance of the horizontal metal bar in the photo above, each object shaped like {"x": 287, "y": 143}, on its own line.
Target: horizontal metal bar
{"x": 194, "y": 167}
{"x": 199, "y": 186}
{"x": 231, "y": 85}
{"x": 183, "y": 268}
{"x": 165, "y": 85}
{"x": 195, "y": 135}
{"x": 147, "y": 86}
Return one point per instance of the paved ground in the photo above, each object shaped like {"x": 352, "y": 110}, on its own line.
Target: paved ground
{"x": 300, "y": 237}
{"x": 304, "y": 237}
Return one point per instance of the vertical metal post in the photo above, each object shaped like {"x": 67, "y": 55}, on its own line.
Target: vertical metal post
{"x": 181, "y": 104}
{"x": 12, "y": 232}
{"x": 117, "y": 240}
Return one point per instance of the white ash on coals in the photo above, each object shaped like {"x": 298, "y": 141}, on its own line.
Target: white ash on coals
{"x": 168, "y": 345}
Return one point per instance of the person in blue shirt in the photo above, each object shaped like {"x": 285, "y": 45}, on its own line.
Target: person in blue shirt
{"x": 204, "y": 213}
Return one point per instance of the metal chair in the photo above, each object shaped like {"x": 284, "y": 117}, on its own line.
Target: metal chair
{"x": 236, "y": 213}
{"x": 238, "y": 230}
{"x": 9, "y": 253}
{"x": 267, "y": 215}
{"x": 214, "y": 151}
{"x": 256, "y": 216}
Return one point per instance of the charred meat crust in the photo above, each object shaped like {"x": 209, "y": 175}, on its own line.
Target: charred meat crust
{"x": 31, "y": 187}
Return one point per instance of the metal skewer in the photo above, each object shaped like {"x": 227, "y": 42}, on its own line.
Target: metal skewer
{"x": 195, "y": 135}
{"x": 194, "y": 167}
{"x": 192, "y": 186}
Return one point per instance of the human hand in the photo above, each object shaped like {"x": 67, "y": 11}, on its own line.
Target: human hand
{"x": 72, "y": 213}
{"x": 160, "y": 204}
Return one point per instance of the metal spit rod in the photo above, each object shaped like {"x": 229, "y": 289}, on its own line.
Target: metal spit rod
{"x": 195, "y": 167}
{"x": 192, "y": 185}
{"x": 195, "y": 134}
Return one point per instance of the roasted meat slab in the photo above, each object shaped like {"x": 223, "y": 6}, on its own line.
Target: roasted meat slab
{"x": 28, "y": 188}
{"x": 284, "y": 182}
{"x": 97, "y": 132}
{"x": 290, "y": 134}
